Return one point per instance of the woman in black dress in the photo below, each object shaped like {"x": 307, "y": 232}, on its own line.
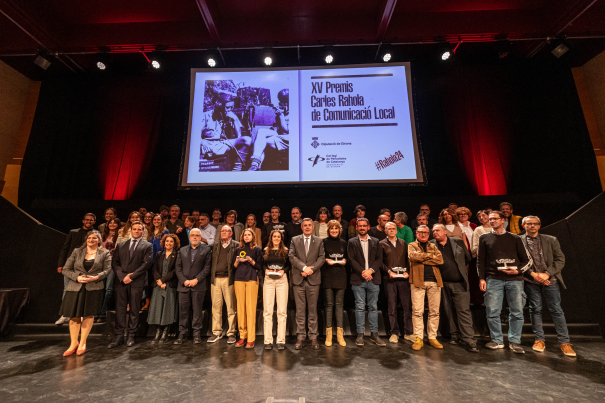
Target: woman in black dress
{"x": 163, "y": 308}
{"x": 86, "y": 268}
{"x": 334, "y": 280}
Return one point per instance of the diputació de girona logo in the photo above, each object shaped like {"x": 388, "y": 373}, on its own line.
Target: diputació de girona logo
{"x": 316, "y": 159}
{"x": 388, "y": 161}
{"x": 315, "y": 144}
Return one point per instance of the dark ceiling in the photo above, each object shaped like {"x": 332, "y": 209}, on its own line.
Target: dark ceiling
{"x": 76, "y": 29}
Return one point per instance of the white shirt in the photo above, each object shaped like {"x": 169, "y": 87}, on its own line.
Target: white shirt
{"x": 208, "y": 234}
{"x": 468, "y": 231}
{"x": 305, "y": 240}
{"x": 364, "y": 248}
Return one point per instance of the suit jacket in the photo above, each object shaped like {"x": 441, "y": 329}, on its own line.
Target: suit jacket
{"x": 137, "y": 266}
{"x": 462, "y": 256}
{"x": 358, "y": 262}
{"x": 170, "y": 277}
{"x": 74, "y": 267}
{"x": 230, "y": 259}
{"x": 198, "y": 269}
{"x": 393, "y": 255}
{"x": 299, "y": 259}
{"x": 553, "y": 256}
{"x": 75, "y": 239}
{"x": 183, "y": 237}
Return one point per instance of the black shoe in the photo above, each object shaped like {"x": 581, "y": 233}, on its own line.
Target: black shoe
{"x": 359, "y": 339}
{"x": 516, "y": 348}
{"x": 181, "y": 339}
{"x": 118, "y": 341}
{"x": 100, "y": 319}
{"x": 158, "y": 333}
{"x": 268, "y": 346}
{"x": 472, "y": 347}
{"x": 164, "y": 338}
{"x": 454, "y": 341}
{"x": 130, "y": 341}
{"x": 281, "y": 346}
{"x": 197, "y": 339}
{"x": 379, "y": 342}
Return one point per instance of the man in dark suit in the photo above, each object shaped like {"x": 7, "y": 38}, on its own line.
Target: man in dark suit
{"x": 307, "y": 256}
{"x": 75, "y": 239}
{"x": 131, "y": 260}
{"x": 365, "y": 256}
{"x": 456, "y": 296}
{"x": 547, "y": 262}
{"x": 193, "y": 265}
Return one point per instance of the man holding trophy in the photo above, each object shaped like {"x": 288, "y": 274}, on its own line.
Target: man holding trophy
{"x": 395, "y": 277}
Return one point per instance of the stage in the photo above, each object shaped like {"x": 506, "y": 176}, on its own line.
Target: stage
{"x": 34, "y": 370}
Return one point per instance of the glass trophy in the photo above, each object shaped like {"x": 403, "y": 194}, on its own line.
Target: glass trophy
{"x": 504, "y": 263}
{"x": 337, "y": 257}
{"x": 274, "y": 270}
{"x": 399, "y": 271}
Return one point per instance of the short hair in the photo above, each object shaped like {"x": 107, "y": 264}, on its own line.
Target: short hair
{"x": 276, "y": 208}
{"x": 195, "y": 229}
{"x": 439, "y": 225}
{"x": 231, "y": 212}
{"x": 423, "y": 226}
{"x": 115, "y": 212}
{"x": 461, "y": 210}
{"x": 500, "y": 214}
{"x": 174, "y": 205}
{"x": 530, "y": 217}
{"x": 390, "y": 223}
{"x": 402, "y": 216}
{"x": 227, "y": 227}
{"x": 422, "y": 215}
{"x": 177, "y": 242}
{"x": 306, "y": 219}
{"x": 217, "y": 209}
{"x": 297, "y": 208}
{"x": 424, "y": 204}
{"x": 205, "y": 215}
{"x": 358, "y": 208}
{"x": 99, "y": 238}
{"x": 505, "y": 204}
{"x": 337, "y": 205}
{"x": 190, "y": 218}
{"x": 384, "y": 210}
{"x": 91, "y": 215}
{"x": 187, "y": 211}
{"x": 193, "y": 211}
{"x": 162, "y": 208}
{"x": 452, "y": 204}
{"x": 334, "y": 224}
{"x": 137, "y": 222}
{"x": 363, "y": 219}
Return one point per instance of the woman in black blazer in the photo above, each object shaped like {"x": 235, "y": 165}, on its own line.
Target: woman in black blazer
{"x": 86, "y": 269}
{"x": 163, "y": 309}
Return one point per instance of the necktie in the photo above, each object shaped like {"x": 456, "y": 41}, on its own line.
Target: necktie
{"x": 306, "y": 245}
{"x": 133, "y": 245}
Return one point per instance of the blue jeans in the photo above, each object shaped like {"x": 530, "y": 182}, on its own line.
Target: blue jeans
{"x": 367, "y": 290}
{"x": 496, "y": 289}
{"x": 553, "y": 302}
{"x": 109, "y": 300}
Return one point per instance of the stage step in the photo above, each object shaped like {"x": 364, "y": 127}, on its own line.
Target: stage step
{"x": 49, "y": 329}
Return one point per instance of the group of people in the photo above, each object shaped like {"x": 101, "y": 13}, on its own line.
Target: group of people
{"x": 167, "y": 262}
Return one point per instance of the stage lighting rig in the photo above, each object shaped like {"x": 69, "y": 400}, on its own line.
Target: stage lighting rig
{"x": 43, "y": 59}
{"x": 385, "y": 52}
{"x": 102, "y": 61}
{"x": 446, "y": 52}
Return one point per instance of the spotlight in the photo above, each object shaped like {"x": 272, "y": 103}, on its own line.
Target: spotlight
{"x": 155, "y": 64}
{"x": 385, "y": 52}
{"x": 328, "y": 54}
{"x": 558, "y": 47}
{"x": 446, "y": 55}
{"x": 329, "y": 59}
{"x": 386, "y": 57}
{"x": 267, "y": 60}
{"x": 102, "y": 61}
{"x": 267, "y": 57}
{"x": 211, "y": 62}
{"x": 43, "y": 60}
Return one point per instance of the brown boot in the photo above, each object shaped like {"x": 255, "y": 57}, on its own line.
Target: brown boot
{"x": 567, "y": 350}
{"x": 146, "y": 306}
{"x": 329, "y": 336}
{"x": 340, "y": 337}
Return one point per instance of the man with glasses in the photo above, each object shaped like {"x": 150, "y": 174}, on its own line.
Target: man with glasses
{"x": 501, "y": 262}
{"x": 425, "y": 210}
{"x": 548, "y": 261}
{"x": 425, "y": 279}
{"x": 75, "y": 239}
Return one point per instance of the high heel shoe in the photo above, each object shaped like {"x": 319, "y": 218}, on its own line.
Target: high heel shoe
{"x": 70, "y": 352}
{"x": 81, "y": 351}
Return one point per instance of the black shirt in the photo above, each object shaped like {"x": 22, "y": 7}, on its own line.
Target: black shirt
{"x": 270, "y": 227}
{"x": 292, "y": 230}
{"x": 449, "y": 269}
{"x": 429, "y": 274}
{"x": 376, "y": 233}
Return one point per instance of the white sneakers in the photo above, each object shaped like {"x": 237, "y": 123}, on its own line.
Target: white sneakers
{"x": 62, "y": 320}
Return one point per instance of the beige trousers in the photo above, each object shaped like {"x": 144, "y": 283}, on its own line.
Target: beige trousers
{"x": 433, "y": 293}
{"x": 246, "y": 293}
{"x": 221, "y": 292}
{"x": 272, "y": 289}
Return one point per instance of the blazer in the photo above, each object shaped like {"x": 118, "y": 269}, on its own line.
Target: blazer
{"x": 358, "y": 262}
{"x": 74, "y": 267}
{"x": 75, "y": 239}
{"x": 230, "y": 259}
{"x": 170, "y": 277}
{"x": 462, "y": 256}
{"x": 183, "y": 237}
{"x": 198, "y": 269}
{"x": 392, "y": 254}
{"x": 418, "y": 258}
{"x": 553, "y": 256}
{"x": 137, "y": 266}
{"x": 299, "y": 259}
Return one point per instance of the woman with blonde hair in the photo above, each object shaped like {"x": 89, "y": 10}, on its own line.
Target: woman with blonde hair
{"x": 248, "y": 266}
{"x": 86, "y": 269}
{"x": 251, "y": 223}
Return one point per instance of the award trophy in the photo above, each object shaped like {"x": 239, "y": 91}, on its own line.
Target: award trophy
{"x": 337, "y": 257}
{"x": 505, "y": 263}
{"x": 399, "y": 271}
{"x": 274, "y": 270}
{"x": 242, "y": 256}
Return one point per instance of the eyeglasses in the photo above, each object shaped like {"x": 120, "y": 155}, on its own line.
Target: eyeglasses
{"x": 89, "y": 219}
{"x": 533, "y": 224}
{"x": 422, "y": 232}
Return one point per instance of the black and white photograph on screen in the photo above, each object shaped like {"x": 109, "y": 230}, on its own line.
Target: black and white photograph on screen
{"x": 244, "y": 128}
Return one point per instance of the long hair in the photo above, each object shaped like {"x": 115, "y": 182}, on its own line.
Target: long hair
{"x": 99, "y": 237}
{"x": 442, "y": 220}
{"x": 282, "y": 251}
{"x": 106, "y": 230}
{"x": 161, "y": 228}
{"x": 241, "y": 239}
{"x": 126, "y": 227}
{"x": 253, "y": 216}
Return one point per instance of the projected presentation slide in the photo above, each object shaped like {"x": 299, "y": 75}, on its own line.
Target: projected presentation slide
{"x": 345, "y": 125}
